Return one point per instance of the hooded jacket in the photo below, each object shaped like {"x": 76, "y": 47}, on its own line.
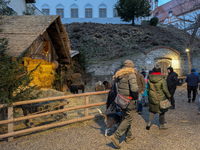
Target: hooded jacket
{"x": 196, "y": 71}
{"x": 140, "y": 82}
{"x": 126, "y": 82}
{"x": 172, "y": 79}
{"x": 192, "y": 80}
{"x": 157, "y": 79}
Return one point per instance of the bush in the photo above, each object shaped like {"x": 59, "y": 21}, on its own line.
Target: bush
{"x": 154, "y": 21}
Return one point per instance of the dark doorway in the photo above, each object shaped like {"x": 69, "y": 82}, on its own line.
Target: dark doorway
{"x": 164, "y": 65}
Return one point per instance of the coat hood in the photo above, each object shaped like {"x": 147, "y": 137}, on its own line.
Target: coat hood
{"x": 124, "y": 71}
{"x": 155, "y": 78}
{"x": 171, "y": 69}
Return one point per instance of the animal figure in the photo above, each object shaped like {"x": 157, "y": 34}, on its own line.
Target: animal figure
{"x": 107, "y": 85}
{"x": 81, "y": 87}
{"x": 99, "y": 86}
{"x": 73, "y": 88}
{"x": 113, "y": 119}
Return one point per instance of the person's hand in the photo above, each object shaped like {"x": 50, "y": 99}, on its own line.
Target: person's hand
{"x": 142, "y": 92}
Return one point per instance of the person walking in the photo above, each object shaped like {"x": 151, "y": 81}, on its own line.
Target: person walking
{"x": 192, "y": 84}
{"x": 156, "y": 79}
{"x": 141, "y": 89}
{"x": 127, "y": 87}
{"x": 143, "y": 73}
{"x": 172, "y": 81}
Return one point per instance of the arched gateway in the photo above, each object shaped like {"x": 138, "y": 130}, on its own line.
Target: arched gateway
{"x": 165, "y": 57}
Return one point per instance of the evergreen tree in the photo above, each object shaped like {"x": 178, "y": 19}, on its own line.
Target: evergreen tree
{"x": 128, "y": 10}
{"x": 14, "y": 80}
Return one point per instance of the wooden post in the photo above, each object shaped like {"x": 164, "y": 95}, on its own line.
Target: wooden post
{"x": 86, "y": 103}
{"x": 10, "y": 125}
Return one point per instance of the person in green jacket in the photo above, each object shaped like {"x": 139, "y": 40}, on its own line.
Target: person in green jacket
{"x": 160, "y": 84}
{"x": 127, "y": 87}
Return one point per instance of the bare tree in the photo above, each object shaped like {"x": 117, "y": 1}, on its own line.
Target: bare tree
{"x": 182, "y": 7}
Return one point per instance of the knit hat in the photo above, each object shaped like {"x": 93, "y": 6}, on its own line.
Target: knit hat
{"x": 128, "y": 63}
{"x": 157, "y": 68}
{"x": 193, "y": 70}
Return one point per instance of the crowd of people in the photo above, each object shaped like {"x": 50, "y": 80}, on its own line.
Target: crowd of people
{"x": 148, "y": 88}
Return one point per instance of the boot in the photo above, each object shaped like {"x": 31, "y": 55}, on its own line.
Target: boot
{"x": 115, "y": 141}
{"x": 147, "y": 127}
{"x": 189, "y": 100}
{"x": 163, "y": 127}
{"x": 128, "y": 140}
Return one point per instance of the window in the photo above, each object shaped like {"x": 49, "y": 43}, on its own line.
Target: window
{"x": 115, "y": 14}
{"x": 60, "y": 11}
{"x": 74, "y": 12}
{"x": 176, "y": 25}
{"x": 102, "y": 12}
{"x": 45, "y": 11}
{"x": 88, "y": 12}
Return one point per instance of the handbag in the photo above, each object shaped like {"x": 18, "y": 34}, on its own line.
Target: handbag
{"x": 163, "y": 104}
{"x": 122, "y": 101}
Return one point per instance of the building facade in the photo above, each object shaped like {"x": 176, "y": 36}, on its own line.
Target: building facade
{"x": 180, "y": 14}
{"x": 20, "y": 6}
{"x": 97, "y": 11}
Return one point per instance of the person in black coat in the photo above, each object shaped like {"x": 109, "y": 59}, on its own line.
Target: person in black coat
{"x": 143, "y": 73}
{"x": 192, "y": 84}
{"x": 172, "y": 81}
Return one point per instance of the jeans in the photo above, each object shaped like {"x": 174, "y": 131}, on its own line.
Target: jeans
{"x": 139, "y": 103}
{"x": 192, "y": 89}
{"x": 172, "y": 92}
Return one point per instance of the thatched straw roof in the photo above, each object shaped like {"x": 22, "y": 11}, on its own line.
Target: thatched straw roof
{"x": 22, "y": 31}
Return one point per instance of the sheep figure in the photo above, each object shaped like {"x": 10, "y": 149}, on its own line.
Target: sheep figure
{"x": 107, "y": 85}
{"x": 99, "y": 86}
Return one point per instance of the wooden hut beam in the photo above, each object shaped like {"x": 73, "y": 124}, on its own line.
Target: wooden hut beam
{"x": 61, "y": 38}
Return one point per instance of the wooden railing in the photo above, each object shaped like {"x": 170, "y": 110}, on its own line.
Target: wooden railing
{"x": 11, "y": 120}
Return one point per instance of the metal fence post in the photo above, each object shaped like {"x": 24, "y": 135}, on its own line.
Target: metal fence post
{"x": 86, "y": 103}
{"x": 10, "y": 125}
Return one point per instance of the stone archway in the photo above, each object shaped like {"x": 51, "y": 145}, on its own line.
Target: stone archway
{"x": 164, "y": 65}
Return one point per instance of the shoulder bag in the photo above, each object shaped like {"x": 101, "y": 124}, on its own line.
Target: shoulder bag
{"x": 121, "y": 101}
{"x": 163, "y": 104}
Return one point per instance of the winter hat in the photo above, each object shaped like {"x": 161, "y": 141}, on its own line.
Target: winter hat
{"x": 193, "y": 70}
{"x": 157, "y": 68}
{"x": 128, "y": 63}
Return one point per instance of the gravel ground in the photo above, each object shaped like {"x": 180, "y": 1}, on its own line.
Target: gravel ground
{"x": 183, "y": 132}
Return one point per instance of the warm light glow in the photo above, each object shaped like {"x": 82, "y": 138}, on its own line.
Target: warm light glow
{"x": 176, "y": 64}
{"x": 187, "y": 50}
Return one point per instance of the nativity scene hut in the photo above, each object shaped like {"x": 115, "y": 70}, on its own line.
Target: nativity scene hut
{"x": 38, "y": 40}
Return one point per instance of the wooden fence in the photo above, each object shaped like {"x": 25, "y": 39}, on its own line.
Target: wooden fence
{"x": 11, "y": 120}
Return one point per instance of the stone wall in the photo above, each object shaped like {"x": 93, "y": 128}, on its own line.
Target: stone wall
{"x": 144, "y": 60}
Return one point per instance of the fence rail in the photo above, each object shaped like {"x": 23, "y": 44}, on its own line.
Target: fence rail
{"x": 11, "y": 120}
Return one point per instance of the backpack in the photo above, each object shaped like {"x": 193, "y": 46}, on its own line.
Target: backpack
{"x": 111, "y": 95}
